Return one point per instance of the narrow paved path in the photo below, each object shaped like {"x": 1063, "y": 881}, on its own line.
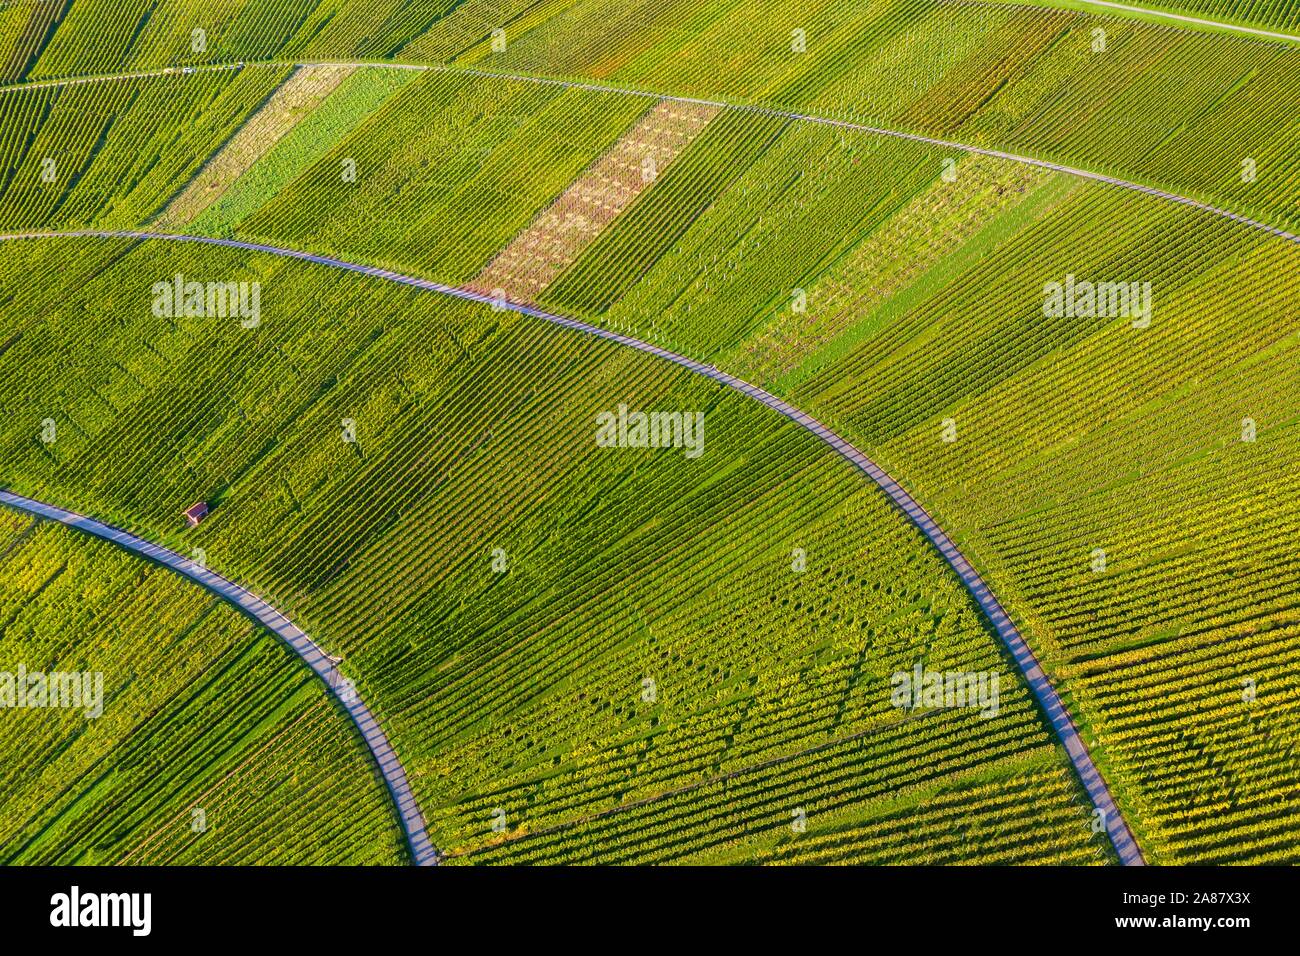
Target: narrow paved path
{"x": 768, "y": 111}
{"x": 422, "y": 851}
{"x": 1120, "y": 834}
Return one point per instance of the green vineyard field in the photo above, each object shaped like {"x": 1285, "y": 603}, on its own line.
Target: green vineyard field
{"x": 585, "y": 654}
{"x": 651, "y": 566}
{"x": 212, "y": 745}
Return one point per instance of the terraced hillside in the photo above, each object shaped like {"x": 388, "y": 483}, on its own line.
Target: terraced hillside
{"x": 646, "y": 629}
{"x": 1030, "y": 79}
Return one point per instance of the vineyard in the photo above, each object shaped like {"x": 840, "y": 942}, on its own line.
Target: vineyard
{"x": 1282, "y": 14}
{"x": 1166, "y": 448}
{"x": 212, "y": 745}
{"x": 1036, "y": 80}
{"x": 521, "y": 695}
{"x": 586, "y": 654}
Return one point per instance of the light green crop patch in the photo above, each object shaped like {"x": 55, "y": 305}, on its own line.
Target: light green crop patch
{"x": 355, "y": 99}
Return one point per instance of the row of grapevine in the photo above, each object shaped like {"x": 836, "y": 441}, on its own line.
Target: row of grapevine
{"x": 1072, "y": 87}
{"x": 360, "y": 95}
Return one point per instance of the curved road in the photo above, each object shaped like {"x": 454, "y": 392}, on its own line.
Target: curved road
{"x": 769, "y": 111}
{"x": 422, "y": 851}
{"x": 1066, "y": 730}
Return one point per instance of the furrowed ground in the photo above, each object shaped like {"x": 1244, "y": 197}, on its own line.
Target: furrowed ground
{"x": 649, "y": 653}
{"x": 213, "y": 746}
